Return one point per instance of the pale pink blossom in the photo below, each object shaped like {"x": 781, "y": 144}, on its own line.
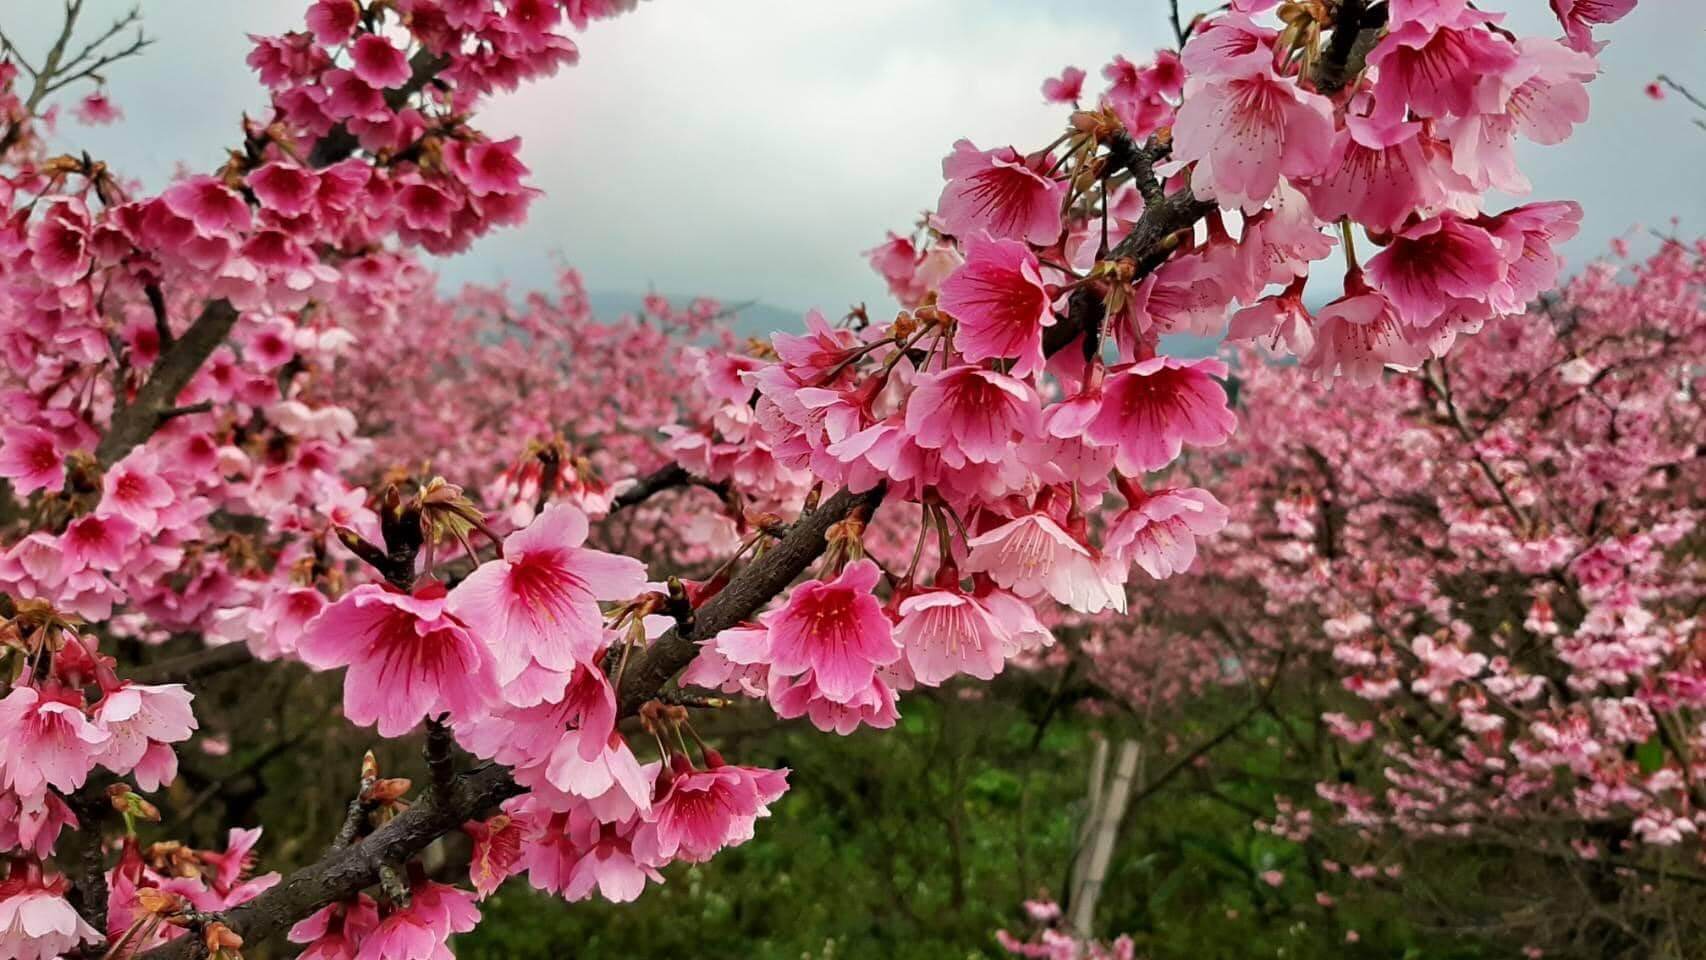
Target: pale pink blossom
{"x": 1158, "y": 531}
{"x": 1032, "y": 555}
{"x": 998, "y": 298}
{"x": 407, "y": 657}
{"x": 946, "y": 632}
{"x": 1001, "y": 194}
{"x": 1244, "y": 132}
{"x": 48, "y": 742}
{"x": 539, "y": 601}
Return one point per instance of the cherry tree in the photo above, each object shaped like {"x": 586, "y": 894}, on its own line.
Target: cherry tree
{"x": 240, "y": 410}
{"x": 1470, "y": 597}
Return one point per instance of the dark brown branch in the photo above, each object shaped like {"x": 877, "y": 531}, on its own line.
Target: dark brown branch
{"x": 440, "y": 753}
{"x": 650, "y": 485}
{"x": 343, "y": 873}
{"x": 193, "y": 666}
{"x": 1148, "y": 246}
{"x": 137, "y": 420}
{"x": 656, "y": 482}
{"x": 82, "y": 853}
{"x": 750, "y": 589}
{"x": 1355, "y": 30}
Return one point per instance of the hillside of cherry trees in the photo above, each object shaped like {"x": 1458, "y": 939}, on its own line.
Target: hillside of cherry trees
{"x": 350, "y": 614}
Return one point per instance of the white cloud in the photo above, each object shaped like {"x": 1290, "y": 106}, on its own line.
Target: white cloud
{"x": 752, "y": 148}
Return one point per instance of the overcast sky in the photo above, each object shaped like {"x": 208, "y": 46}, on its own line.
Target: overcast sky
{"x": 751, "y": 148}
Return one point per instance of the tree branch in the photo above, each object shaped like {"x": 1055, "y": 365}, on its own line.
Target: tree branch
{"x": 344, "y": 872}
{"x": 750, "y": 589}
{"x": 193, "y": 666}
{"x": 136, "y": 421}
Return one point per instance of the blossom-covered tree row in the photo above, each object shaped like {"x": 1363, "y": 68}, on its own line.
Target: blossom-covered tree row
{"x": 238, "y": 410}
{"x": 1479, "y": 587}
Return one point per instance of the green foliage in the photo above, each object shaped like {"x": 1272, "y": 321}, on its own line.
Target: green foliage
{"x": 920, "y": 842}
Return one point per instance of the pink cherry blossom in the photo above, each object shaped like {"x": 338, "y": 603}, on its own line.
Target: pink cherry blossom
{"x": 947, "y": 632}
{"x": 332, "y": 21}
{"x": 1066, "y": 88}
{"x": 49, "y": 741}
{"x": 999, "y": 300}
{"x": 1580, "y": 16}
{"x": 1438, "y": 70}
{"x": 970, "y": 413}
{"x": 1152, "y": 409}
{"x": 699, "y": 812}
{"x": 1431, "y": 265}
{"x": 31, "y": 459}
{"x": 335, "y": 931}
{"x": 539, "y": 601}
{"x": 1359, "y": 335}
{"x": 1032, "y": 555}
{"x": 423, "y": 927}
{"x": 407, "y": 657}
{"x": 140, "y": 716}
{"x": 36, "y": 921}
{"x": 872, "y": 706}
{"x": 97, "y": 109}
{"x": 1158, "y": 531}
{"x": 836, "y": 630}
{"x": 1245, "y": 132}
{"x": 998, "y": 193}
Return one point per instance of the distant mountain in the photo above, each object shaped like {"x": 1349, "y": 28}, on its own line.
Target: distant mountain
{"x": 753, "y": 319}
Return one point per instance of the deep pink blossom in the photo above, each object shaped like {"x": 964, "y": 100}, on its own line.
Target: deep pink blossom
{"x": 284, "y": 188}
{"x": 490, "y": 167}
{"x": 1438, "y": 70}
{"x": 699, "y": 812}
{"x": 1151, "y": 410}
{"x": 96, "y": 109}
{"x": 1066, "y": 88}
{"x": 873, "y": 706}
{"x": 1579, "y": 17}
{"x": 332, "y": 21}
{"x": 1431, "y": 265}
{"x": 421, "y": 930}
{"x": 209, "y": 204}
{"x": 336, "y": 931}
{"x": 971, "y": 413}
{"x": 31, "y": 459}
{"x": 59, "y": 242}
{"x": 377, "y": 62}
{"x": 497, "y": 850}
